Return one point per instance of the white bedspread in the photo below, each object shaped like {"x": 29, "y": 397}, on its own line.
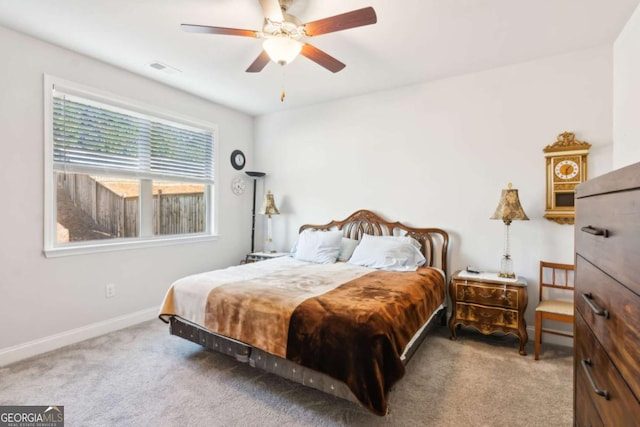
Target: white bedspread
{"x": 187, "y": 297}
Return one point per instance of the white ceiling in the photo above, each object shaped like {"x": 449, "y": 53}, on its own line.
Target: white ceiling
{"x": 413, "y": 41}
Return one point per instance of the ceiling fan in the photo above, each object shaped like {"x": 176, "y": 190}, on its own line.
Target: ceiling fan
{"x": 284, "y": 35}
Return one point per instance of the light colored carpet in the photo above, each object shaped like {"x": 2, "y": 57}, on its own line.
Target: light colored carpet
{"x": 142, "y": 376}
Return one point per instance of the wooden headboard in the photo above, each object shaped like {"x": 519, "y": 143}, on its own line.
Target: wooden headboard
{"x": 434, "y": 241}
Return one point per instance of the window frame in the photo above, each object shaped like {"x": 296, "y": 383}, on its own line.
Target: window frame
{"x": 51, "y": 247}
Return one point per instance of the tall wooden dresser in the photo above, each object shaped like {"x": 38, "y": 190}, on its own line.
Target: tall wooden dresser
{"x": 607, "y": 300}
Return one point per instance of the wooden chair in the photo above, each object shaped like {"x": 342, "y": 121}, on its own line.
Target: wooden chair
{"x": 556, "y": 278}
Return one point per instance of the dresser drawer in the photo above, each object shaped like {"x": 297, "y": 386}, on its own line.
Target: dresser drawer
{"x": 619, "y": 407}
{"x": 619, "y": 215}
{"x": 587, "y": 413}
{"x": 487, "y": 294}
{"x": 619, "y": 329}
{"x": 487, "y": 315}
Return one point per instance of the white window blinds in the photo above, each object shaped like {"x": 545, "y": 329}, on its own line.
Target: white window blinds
{"x": 91, "y": 136}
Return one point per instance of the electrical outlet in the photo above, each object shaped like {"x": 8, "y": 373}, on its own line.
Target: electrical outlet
{"x": 110, "y": 290}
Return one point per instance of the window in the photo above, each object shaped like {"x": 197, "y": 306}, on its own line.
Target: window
{"x": 122, "y": 174}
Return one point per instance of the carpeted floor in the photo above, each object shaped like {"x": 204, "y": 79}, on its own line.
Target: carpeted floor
{"x": 142, "y": 376}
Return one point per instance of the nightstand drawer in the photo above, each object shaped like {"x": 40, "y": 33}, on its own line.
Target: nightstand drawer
{"x": 487, "y": 294}
{"x": 596, "y": 371}
{"x": 487, "y": 315}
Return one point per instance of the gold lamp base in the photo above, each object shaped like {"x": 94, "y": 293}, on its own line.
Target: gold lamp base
{"x": 507, "y": 275}
{"x": 506, "y": 267}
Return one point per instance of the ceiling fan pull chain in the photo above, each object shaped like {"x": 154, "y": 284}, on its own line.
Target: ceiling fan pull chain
{"x": 283, "y": 94}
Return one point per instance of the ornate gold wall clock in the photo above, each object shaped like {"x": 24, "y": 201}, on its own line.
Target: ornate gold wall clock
{"x": 566, "y": 168}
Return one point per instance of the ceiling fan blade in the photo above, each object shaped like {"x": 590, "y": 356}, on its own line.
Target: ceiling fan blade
{"x": 355, "y": 18}
{"x": 261, "y": 61}
{"x": 322, "y": 58}
{"x": 272, "y": 11}
{"x": 205, "y": 29}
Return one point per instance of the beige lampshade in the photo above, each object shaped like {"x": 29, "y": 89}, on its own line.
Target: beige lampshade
{"x": 269, "y": 207}
{"x": 509, "y": 208}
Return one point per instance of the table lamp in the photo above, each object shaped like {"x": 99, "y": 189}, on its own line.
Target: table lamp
{"x": 269, "y": 208}
{"x": 509, "y": 209}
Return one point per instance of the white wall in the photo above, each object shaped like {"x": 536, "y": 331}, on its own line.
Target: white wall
{"x": 626, "y": 93}
{"x": 434, "y": 154}
{"x": 46, "y": 302}
{"x": 438, "y": 154}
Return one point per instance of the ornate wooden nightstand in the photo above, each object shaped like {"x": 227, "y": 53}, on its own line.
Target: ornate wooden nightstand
{"x": 489, "y": 304}
{"x": 261, "y": 256}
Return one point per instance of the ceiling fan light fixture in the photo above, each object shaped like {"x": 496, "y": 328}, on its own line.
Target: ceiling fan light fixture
{"x": 282, "y": 49}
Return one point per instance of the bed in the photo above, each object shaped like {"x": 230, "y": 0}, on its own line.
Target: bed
{"x": 346, "y": 326}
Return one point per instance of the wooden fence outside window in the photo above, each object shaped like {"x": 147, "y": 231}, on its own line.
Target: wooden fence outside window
{"x": 182, "y": 213}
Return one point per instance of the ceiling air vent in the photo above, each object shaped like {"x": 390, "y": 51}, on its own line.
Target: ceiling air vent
{"x": 164, "y": 67}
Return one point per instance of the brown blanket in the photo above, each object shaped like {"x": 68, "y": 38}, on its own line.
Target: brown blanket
{"x": 355, "y": 332}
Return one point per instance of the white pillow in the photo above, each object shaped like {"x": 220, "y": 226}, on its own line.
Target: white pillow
{"x": 347, "y": 247}
{"x": 405, "y": 239}
{"x": 393, "y": 254}
{"x": 321, "y": 247}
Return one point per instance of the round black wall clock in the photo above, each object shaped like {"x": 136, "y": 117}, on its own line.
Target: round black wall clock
{"x": 237, "y": 159}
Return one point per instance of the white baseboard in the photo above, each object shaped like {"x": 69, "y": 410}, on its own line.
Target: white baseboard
{"x": 52, "y": 342}
{"x": 550, "y": 338}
